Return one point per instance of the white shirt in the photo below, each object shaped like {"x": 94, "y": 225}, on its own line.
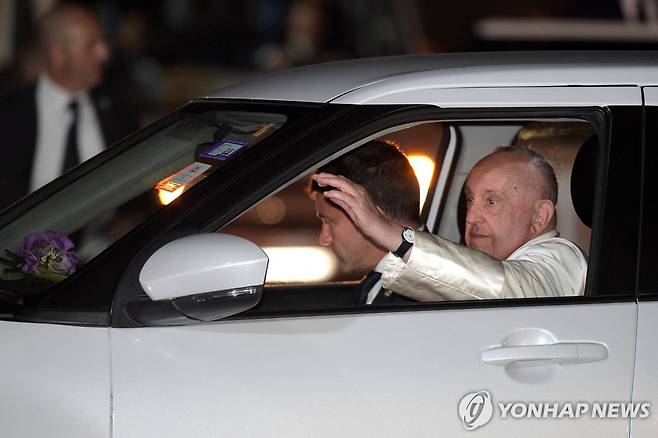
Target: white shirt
{"x": 372, "y": 294}
{"x": 53, "y": 121}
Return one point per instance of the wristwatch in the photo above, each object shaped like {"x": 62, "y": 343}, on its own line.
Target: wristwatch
{"x": 408, "y": 235}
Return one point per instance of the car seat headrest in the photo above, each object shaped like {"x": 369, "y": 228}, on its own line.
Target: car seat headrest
{"x": 583, "y": 179}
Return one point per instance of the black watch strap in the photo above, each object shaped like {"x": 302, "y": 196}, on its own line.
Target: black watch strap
{"x": 407, "y": 242}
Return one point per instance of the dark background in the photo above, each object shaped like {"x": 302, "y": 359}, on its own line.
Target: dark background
{"x": 167, "y": 51}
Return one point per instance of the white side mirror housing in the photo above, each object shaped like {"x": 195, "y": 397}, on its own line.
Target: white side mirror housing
{"x": 203, "y": 263}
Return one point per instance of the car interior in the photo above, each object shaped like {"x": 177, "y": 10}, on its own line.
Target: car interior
{"x": 453, "y": 148}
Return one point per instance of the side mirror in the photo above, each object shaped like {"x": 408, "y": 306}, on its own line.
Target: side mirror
{"x": 205, "y": 277}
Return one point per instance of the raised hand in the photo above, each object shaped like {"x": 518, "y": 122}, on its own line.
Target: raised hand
{"x": 360, "y": 208}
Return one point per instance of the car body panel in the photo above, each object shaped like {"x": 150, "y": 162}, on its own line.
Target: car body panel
{"x": 379, "y": 374}
{"x": 493, "y": 97}
{"x": 650, "y": 96}
{"x": 327, "y": 82}
{"x": 645, "y": 383}
{"x": 60, "y": 381}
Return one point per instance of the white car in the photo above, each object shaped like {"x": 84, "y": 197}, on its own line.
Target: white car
{"x": 169, "y": 322}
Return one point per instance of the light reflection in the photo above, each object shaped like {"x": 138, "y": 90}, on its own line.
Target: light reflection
{"x": 271, "y": 211}
{"x": 293, "y": 264}
{"x": 166, "y": 197}
{"x": 424, "y": 169}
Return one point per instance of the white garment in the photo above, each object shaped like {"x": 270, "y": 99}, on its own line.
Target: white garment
{"x": 546, "y": 266}
{"x": 53, "y": 121}
{"x": 374, "y": 291}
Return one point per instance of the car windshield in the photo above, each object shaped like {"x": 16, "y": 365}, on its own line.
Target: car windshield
{"x": 75, "y": 218}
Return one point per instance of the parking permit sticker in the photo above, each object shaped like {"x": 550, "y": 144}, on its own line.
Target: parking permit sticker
{"x": 184, "y": 177}
{"x": 223, "y": 150}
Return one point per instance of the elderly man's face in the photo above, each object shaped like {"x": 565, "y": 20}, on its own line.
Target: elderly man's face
{"x": 354, "y": 251}
{"x": 501, "y": 192}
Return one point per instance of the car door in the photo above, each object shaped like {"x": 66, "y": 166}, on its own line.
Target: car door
{"x": 645, "y": 385}
{"x": 412, "y": 370}
{"x": 56, "y": 380}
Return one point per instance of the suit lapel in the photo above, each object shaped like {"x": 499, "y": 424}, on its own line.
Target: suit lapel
{"x": 368, "y": 283}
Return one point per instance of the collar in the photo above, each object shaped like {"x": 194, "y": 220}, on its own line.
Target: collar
{"x": 547, "y": 235}
{"x": 55, "y": 95}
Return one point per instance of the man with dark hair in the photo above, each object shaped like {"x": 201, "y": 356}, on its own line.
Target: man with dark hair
{"x": 513, "y": 249}
{"x": 384, "y": 172}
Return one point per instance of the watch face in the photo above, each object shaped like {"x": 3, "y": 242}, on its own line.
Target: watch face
{"x": 408, "y": 235}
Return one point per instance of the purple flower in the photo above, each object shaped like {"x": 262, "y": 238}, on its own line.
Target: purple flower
{"x": 49, "y": 255}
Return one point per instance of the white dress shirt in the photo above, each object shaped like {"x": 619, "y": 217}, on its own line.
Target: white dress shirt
{"x": 374, "y": 291}
{"x": 53, "y": 121}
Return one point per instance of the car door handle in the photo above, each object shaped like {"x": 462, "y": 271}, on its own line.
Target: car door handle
{"x": 560, "y": 352}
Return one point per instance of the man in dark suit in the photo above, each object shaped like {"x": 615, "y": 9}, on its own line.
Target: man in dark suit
{"x": 385, "y": 173}
{"x": 58, "y": 122}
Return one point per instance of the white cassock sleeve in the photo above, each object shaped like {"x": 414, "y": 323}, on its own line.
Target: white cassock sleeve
{"x": 439, "y": 269}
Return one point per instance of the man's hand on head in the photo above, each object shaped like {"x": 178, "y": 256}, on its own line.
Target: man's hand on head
{"x": 360, "y": 208}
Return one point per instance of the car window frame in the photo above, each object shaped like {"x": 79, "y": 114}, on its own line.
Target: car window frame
{"x": 602, "y": 120}
{"x": 647, "y": 274}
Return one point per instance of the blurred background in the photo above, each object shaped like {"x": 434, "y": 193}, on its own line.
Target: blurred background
{"x": 164, "y": 52}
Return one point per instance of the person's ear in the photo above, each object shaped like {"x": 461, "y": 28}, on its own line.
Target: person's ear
{"x": 544, "y": 213}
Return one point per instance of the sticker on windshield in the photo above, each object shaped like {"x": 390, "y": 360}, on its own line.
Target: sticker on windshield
{"x": 183, "y": 178}
{"x": 222, "y": 150}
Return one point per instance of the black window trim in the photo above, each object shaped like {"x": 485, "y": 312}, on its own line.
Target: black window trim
{"x": 598, "y": 117}
{"x": 647, "y": 274}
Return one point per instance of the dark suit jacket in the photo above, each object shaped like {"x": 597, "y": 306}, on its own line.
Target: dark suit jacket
{"x": 18, "y": 134}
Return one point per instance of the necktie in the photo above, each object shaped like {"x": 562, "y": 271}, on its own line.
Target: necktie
{"x": 367, "y": 284}
{"x": 71, "y": 156}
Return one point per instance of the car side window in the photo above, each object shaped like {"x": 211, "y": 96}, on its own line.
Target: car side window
{"x": 301, "y": 241}
{"x": 287, "y": 226}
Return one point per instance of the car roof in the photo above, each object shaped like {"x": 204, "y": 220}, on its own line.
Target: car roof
{"x": 330, "y": 81}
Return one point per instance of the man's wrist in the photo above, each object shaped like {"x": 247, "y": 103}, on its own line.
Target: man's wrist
{"x": 391, "y": 235}
{"x": 407, "y": 237}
